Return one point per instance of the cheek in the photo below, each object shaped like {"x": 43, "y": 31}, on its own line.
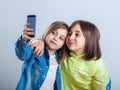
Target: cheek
{"x": 61, "y": 43}
{"x": 82, "y": 43}
{"x": 47, "y": 39}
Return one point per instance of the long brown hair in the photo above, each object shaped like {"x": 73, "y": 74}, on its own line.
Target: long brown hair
{"x": 92, "y": 36}
{"x": 54, "y": 26}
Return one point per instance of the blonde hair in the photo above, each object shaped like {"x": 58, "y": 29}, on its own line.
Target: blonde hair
{"x": 54, "y": 26}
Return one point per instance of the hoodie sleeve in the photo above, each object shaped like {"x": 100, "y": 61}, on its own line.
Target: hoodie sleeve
{"x": 101, "y": 78}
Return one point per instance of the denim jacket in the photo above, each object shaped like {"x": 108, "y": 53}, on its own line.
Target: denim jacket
{"x": 34, "y": 69}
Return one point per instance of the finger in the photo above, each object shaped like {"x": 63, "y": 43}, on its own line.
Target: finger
{"x": 28, "y": 30}
{"x": 26, "y": 37}
{"x": 35, "y": 52}
{"x": 26, "y": 25}
{"x": 41, "y": 53}
{"x": 28, "y": 33}
{"x": 38, "y": 52}
{"x": 24, "y": 32}
{"x": 32, "y": 46}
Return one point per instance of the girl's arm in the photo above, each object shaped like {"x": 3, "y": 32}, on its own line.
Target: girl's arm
{"x": 23, "y": 49}
{"x": 38, "y": 45}
{"x": 101, "y": 80}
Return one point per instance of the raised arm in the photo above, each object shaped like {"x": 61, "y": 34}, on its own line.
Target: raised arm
{"x": 22, "y": 47}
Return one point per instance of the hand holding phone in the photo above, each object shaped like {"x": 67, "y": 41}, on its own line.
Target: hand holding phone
{"x": 31, "y": 19}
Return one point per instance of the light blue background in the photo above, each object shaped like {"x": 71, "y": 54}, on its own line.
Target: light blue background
{"x": 104, "y": 13}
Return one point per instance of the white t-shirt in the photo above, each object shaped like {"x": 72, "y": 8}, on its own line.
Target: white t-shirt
{"x": 48, "y": 84}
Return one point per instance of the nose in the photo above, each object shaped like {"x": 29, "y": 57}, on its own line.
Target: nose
{"x": 56, "y": 37}
{"x": 71, "y": 37}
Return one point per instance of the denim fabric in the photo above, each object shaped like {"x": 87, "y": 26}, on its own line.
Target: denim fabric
{"x": 108, "y": 87}
{"x": 34, "y": 69}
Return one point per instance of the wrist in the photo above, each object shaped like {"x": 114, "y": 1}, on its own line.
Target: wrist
{"x": 33, "y": 40}
{"x": 24, "y": 39}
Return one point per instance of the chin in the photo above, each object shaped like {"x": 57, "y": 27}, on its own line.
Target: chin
{"x": 71, "y": 48}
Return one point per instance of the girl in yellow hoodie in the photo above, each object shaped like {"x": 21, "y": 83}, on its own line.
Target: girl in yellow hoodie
{"x": 83, "y": 67}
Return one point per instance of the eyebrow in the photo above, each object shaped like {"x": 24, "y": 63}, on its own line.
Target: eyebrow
{"x": 63, "y": 36}
{"x": 78, "y": 31}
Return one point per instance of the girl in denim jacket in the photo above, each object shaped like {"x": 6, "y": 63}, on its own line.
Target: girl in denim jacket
{"x": 42, "y": 72}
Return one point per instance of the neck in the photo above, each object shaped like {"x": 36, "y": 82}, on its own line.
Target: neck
{"x": 51, "y": 52}
{"x": 78, "y": 53}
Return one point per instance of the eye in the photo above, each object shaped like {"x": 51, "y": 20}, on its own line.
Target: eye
{"x": 77, "y": 34}
{"x": 53, "y": 32}
{"x": 62, "y": 38}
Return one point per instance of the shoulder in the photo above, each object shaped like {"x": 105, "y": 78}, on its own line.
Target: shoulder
{"x": 100, "y": 62}
{"x": 100, "y": 66}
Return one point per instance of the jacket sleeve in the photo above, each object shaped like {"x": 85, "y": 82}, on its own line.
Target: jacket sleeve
{"x": 23, "y": 50}
{"x": 101, "y": 80}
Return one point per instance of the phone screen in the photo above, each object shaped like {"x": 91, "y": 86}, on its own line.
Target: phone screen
{"x": 31, "y": 19}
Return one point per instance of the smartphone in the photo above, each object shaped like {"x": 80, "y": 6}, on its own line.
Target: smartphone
{"x": 31, "y": 19}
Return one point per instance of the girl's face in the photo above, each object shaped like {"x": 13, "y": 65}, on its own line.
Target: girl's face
{"x": 75, "y": 40}
{"x": 56, "y": 39}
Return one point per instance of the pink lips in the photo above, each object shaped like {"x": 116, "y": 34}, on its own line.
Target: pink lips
{"x": 53, "y": 42}
{"x": 70, "y": 43}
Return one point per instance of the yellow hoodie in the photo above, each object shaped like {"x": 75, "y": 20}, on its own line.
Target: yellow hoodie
{"x": 79, "y": 74}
